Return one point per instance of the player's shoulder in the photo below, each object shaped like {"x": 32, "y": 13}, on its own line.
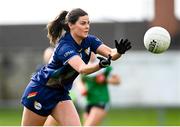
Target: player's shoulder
{"x": 90, "y": 36}
{"x": 93, "y": 38}
{"x": 65, "y": 39}
{"x": 64, "y": 44}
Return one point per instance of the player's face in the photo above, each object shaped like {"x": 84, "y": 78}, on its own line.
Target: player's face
{"x": 81, "y": 27}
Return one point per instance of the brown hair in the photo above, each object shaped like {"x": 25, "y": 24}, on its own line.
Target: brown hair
{"x": 60, "y": 23}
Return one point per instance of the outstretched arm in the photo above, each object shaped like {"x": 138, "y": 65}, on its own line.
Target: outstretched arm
{"x": 105, "y": 51}
{"x": 78, "y": 64}
{"x": 121, "y": 47}
{"x": 114, "y": 79}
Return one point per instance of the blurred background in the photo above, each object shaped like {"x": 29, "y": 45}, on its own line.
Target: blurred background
{"x": 150, "y": 90}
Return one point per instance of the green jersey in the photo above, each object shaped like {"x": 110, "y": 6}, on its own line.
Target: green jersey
{"x": 97, "y": 86}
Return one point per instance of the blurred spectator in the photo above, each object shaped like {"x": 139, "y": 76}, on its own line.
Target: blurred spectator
{"x": 46, "y": 57}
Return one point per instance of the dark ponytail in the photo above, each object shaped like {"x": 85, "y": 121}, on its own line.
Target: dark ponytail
{"x": 61, "y": 23}
{"x": 56, "y": 27}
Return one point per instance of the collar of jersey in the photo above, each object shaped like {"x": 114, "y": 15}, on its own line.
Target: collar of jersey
{"x": 79, "y": 47}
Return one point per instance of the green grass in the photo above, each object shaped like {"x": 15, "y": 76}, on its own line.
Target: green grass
{"x": 115, "y": 117}
{"x": 143, "y": 117}
{"x": 10, "y": 117}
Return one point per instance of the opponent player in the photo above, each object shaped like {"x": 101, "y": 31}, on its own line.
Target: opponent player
{"x": 95, "y": 89}
{"x": 47, "y": 92}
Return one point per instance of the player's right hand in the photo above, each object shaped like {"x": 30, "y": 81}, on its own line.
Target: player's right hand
{"x": 104, "y": 62}
{"x": 122, "y": 46}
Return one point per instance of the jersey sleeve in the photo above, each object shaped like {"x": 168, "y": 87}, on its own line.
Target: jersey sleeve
{"x": 95, "y": 43}
{"x": 66, "y": 53}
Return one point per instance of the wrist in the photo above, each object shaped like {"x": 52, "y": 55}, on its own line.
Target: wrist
{"x": 120, "y": 52}
{"x": 98, "y": 66}
{"x": 101, "y": 65}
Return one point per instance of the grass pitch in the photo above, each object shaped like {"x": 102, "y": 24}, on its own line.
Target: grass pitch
{"x": 115, "y": 117}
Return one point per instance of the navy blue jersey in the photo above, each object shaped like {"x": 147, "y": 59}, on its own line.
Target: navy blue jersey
{"x": 58, "y": 73}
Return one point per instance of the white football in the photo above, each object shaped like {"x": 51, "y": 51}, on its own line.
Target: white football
{"x": 157, "y": 39}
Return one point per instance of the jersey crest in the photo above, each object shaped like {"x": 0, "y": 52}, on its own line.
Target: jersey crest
{"x": 87, "y": 51}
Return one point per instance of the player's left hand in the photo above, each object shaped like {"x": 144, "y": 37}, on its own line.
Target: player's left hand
{"x": 122, "y": 46}
{"x": 104, "y": 62}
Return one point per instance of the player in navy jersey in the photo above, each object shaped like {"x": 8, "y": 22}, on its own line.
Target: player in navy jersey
{"x": 48, "y": 91}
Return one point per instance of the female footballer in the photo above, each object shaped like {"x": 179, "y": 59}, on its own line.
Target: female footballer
{"x": 47, "y": 92}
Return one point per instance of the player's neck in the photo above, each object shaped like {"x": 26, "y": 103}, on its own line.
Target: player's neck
{"x": 77, "y": 39}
